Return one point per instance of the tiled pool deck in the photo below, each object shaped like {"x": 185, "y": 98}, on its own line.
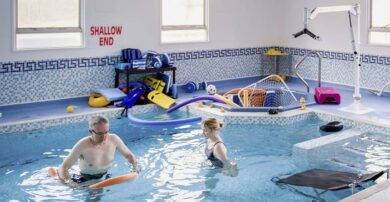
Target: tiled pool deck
{"x": 52, "y": 109}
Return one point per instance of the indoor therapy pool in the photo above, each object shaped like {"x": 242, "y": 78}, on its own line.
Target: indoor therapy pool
{"x": 195, "y": 100}
{"x": 172, "y": 160}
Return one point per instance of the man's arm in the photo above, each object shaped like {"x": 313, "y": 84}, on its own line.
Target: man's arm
{"x": 120, "y": 145}
{"x": 69, "y": 161}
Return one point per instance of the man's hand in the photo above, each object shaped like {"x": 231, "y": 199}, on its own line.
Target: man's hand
{"x": 71, "y": 184}
{"x": 136, "y": 169}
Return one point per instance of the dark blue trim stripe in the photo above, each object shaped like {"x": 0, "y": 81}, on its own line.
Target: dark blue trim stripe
{"x": 203, "y": 54}
{"x": 28, "y": 66}
{"x": 369, "y": 59}
{"x": 325, "y": 54}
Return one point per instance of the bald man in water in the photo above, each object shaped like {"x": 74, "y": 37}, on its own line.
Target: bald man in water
{"x": 95, "y": 153}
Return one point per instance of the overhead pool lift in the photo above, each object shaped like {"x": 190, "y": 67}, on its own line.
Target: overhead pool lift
{"x": 309, "y": 14}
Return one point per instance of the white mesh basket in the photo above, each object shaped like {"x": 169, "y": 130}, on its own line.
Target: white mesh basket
{"x": 259, "y": 93}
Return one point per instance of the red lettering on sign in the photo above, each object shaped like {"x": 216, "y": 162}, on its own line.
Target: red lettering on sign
{"x": 105, "y": 31}
{"x": 106, "y": 41}
{"x": 118, "y": 30}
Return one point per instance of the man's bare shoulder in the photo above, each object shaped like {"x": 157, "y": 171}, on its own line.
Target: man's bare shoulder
{"x": 81, "y": 145}
{"x": 83, "y": 141}
{"x": 114, "y": 137}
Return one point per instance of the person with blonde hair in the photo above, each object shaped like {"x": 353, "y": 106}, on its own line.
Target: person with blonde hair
{"x": 216, "y": 150}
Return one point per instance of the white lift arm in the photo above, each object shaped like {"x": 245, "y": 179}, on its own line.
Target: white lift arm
{"x": 356, "y": 106}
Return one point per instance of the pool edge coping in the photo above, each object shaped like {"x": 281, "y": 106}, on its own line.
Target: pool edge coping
{"x": 205, "y": 112}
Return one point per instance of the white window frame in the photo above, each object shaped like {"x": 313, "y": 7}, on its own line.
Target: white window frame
{"x": 205, "y": 25}
{"x": 375, "y": 29}
{"x": 48, "y": 30}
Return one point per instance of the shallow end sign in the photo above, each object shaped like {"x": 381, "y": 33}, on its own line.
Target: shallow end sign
{"x": 106, "y": 34}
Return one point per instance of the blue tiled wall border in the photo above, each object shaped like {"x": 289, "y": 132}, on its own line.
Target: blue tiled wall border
{"x": 203, "y": 54}
{"x": 28, "y": 66}
{"x": 370, "y": 59}
{"x": 59, "y": 64}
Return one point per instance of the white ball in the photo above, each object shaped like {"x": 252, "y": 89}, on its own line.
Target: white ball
{"x": 211, "y": 89}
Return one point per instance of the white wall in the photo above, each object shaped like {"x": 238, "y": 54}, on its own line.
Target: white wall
{"x": 332, "y": 27}
{"x": 233, "y": 24}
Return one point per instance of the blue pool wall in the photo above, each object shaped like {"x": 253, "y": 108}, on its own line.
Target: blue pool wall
{"x": 40, "y": 80}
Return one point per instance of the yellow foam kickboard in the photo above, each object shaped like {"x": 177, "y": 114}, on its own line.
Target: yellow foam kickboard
{"x": 161, "y": 99}
{"x": 152, "y": 82}
{"x": 161, "y": 86}
{"x": 156, "y": 84}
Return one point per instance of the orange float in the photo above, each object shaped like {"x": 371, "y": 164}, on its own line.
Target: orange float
{"x": 105, "y": 183}
{"x": 114, "y": 180}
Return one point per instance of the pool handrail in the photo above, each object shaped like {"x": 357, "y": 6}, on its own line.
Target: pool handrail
{"x": 319, "y": 69}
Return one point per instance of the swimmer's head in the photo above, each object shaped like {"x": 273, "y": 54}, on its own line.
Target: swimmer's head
{"x": 210, "y": 125}
{"x": 98, "y": 129}
{"x": 97, "y": 120}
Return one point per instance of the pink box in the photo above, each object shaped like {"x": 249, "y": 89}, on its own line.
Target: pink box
{"x": 326, "y": 95}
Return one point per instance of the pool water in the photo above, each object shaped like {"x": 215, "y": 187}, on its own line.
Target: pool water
{"x": 174, "y": 167}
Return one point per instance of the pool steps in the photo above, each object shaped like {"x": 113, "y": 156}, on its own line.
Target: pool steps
{"x": 348, "y": 150}
{"x": 385, "y": 142}
{"x": 315, "y": 152}
{"x": 368, "y": 152}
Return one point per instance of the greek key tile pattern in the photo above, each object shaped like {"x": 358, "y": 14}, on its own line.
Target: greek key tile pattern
{"x": 368, "y": 59}
{"x": 324, "y": 54}
{"x": 28, "y": 66}
{"x": 205, "y": 54}
{"x": 339, "y": 68}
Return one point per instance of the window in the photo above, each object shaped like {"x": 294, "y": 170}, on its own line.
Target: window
{"x": 184, "y": 21}
{"x": 45, "y": 24}
{"x": 380, "y": 22}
